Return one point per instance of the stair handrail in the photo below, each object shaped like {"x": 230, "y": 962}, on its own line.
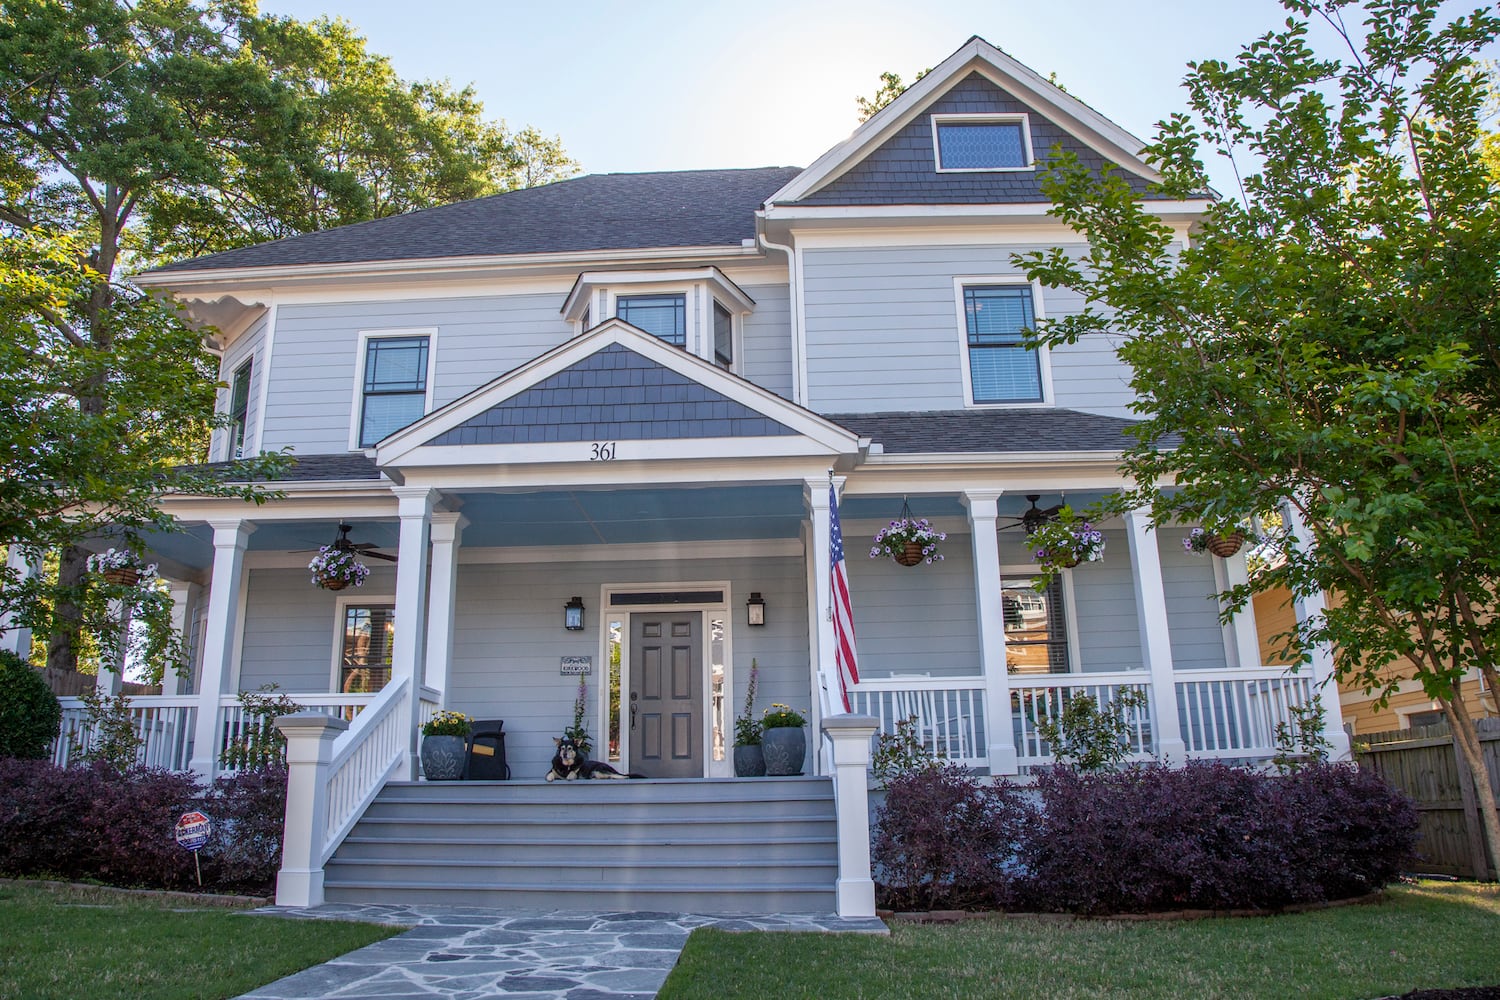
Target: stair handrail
{"x": 364, "y": 758}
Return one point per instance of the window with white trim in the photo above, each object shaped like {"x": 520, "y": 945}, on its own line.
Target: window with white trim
{"x": 394, "y": 385}
{"x": 981, "y": 142}
{"x": 663, "y": 316}
{"x": 365, "y": 659}
{"x": 239, "y": 410}
{"x": 1003, "y": 368}
{"x": 723, "y": 337}
{"x": 1035, "y": 626}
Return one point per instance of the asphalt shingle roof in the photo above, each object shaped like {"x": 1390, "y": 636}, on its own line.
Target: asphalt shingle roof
{"x": 990, "y": 430}
{"x": 316, "y": 468}
{"x": 598, "y": 212}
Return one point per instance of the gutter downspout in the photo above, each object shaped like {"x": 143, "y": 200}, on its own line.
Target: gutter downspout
{"x": 799, "y": 349}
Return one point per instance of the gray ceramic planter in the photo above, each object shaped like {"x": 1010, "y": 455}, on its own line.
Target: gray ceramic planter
{"x": 784, "y": 749}
{"x": 749, "y": 762}
{"x": 443, "y": 757}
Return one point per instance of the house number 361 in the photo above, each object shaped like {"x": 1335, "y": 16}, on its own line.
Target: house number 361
{"x": 604, "y": 451}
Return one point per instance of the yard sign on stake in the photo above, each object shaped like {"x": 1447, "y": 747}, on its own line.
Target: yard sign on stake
{"x": 192, "y": 832}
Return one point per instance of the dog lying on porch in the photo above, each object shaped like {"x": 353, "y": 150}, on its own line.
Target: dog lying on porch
{"x": 567, "y": 765}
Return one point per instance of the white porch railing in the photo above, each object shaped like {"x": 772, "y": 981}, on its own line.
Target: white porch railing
{"x": 235, "y": 726}
{"x": 163, "y": 725}
{"x": 949, "y": 712}
{"x": 1234, "y": 713}
{"x": 1042, "y": 697}
{"x": 364, "y": 758}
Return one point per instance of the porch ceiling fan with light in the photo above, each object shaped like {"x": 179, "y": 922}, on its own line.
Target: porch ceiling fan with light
{"x": 341, "y": 543}
{"x": 1033, "y": 517}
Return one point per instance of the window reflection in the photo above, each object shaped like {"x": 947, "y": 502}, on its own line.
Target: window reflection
{"x": 1036, "y": 635}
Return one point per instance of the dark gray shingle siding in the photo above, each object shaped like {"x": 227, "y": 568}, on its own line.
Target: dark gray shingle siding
{"x": 614, "y": 394}
{"x": 1021, "y": 430}
{"x": 599, "y": 212}
{"x": 902, "y": 171}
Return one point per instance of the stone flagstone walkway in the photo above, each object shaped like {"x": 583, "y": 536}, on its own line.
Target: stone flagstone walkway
{"x": 466, "y": 953}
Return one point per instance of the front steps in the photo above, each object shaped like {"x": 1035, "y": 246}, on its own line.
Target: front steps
{"x": 764, "y": 845}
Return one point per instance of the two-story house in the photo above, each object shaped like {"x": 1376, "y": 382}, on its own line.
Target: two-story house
{"x": 595, "y": 425}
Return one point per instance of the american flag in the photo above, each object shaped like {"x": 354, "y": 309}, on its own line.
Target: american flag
{"x": 843, "y": 610}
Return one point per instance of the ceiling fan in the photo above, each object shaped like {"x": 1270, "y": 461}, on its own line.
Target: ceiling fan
{"x": 1033, "y": 517}
{"x": 341, "y": 543}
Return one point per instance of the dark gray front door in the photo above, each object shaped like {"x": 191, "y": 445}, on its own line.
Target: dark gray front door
{"x": 666, "y": 694}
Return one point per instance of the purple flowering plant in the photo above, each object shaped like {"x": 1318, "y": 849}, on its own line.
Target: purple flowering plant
{"x": 1066, "y": 541}
{"x": 333, "y": 564}
{"x": 892, "y": 540}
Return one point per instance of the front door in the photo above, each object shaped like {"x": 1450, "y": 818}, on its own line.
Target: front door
{"x": 666, "y": 694}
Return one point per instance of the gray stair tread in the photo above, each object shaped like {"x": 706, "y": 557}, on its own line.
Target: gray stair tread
{"x": 604, "y": 841}
{"x": 589, "y": 887}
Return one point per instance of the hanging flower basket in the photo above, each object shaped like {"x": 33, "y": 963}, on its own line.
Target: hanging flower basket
{"x": 1200, "y": 540}
{"x": 335, "y": 568}
{"x": 1066, "y": 542}
{"x": 118, "y": 567}
{"x": 908, "y": 540}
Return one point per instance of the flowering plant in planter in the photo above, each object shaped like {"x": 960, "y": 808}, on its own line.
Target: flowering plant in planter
{"x": 780, "y": 716}
{"x": 1066, "y": 541}
{"x": 447, "y": 723}
{"x": 121, "y": 566}
{"x": 746, "y": 729}
{"x": 335, "y": 568}
{"x": 1201, "y": 540}
{"x": 908, "y": 540}
{"x": 578, "y": 732}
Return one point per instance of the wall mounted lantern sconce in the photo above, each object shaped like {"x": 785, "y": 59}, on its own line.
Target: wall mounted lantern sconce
{"x": 755, "y": 609}
{"x": 573, "y": 615}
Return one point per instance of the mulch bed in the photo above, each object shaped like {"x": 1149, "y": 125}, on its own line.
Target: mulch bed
{"x": 955, "y": 916}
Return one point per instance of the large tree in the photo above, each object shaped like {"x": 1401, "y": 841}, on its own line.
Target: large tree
{"x": 1328, "y": 339}
{"x": 136, "y": 131}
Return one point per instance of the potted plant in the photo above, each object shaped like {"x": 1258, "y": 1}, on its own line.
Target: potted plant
{"x": 119, "y": 567}
{"x": 445, "y": 745}
{"x": 749, "y": 762}
{"x": 335, "y": 568}
{"x": 1201, "y": 540}
{"x": 908, "y": 540}
{"x": 578, "y": 732}
{"x": 782, "y": 742}
{"x": 1067, "y": 541}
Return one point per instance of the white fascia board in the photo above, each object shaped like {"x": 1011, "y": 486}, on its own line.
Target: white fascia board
{"x": 578, "y": 299}
{"x": 717, "y": 550}
{"x": 1067, "y": 112}
{"x": 1021, "y": 211}
{"x": 828, "y": 437}
{"x": 1014, "y": 481}
{"x": 429, "y": 267}
{"x": 376, "y": 502}
{"x": 648, "y": 450}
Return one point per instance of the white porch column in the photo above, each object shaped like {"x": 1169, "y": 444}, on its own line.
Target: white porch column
{"x": 111, "y": 675}
{"x": 219, "y": 629}
{"x": 850, "y": 736}
{"x": 1309, "y": 608}
{"x": 309, "y": 751}
{"x": 1243, "y": 641}
{"x": 446, "y": 531}
{"x": 414, "y": 504}
{"x": 983, "y": 510}
{"x": 1156, "y": 642}
{"x": 13, "y": 637}
{"x": 824, "y": 679}
{"x": 184, "y": 596}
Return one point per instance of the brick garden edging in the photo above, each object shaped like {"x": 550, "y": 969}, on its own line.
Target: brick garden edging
{"x": 958, "y": 916}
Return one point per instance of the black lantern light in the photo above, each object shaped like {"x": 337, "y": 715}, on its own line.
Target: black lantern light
{"x": 573, "y": 615}
{"x": 755, "y": 609}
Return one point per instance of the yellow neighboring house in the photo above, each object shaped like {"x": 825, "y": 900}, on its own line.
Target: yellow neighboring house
{"x": 1408, "y": 708}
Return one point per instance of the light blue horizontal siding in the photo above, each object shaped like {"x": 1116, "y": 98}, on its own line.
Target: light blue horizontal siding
{"x": 766, "y": 356}
{"x": 1192, "y": 608}
{"x": 914, "y": 619}
{"x": 290, "y": 627}
{"x": 883, "y": 332}
{"x": 249, "y": 345}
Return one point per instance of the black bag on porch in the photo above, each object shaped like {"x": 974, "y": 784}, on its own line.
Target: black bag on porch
{"x": 485, "y": 760}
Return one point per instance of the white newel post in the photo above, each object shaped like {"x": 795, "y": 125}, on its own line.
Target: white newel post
{"x": 1308, "y": 608}
{"x": 415, "y": 505}
{"x": 12, "y": 637}
{"x": 983, "y": 508}
{"x": 1156, "y": 641}
{"x": 850, "y": 736}
{"x": 230, "y": 540}
{"x": 309, "y": 750}
{"x": 442, "y": 594}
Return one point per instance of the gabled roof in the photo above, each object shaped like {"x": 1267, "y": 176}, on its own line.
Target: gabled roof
{"x": 1016, "y": 82}
{"x": 685, "y": 208}
{"x": 620, "y": 386}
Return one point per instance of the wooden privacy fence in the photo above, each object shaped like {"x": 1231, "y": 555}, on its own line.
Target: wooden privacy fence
{"x": 1426, "y": 765}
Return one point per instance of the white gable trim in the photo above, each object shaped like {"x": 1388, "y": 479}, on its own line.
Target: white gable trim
{"x": 815, "y": 435}
{"x": 1067, "y": 112}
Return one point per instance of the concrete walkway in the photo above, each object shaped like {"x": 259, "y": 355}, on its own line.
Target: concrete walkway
{"x": 466, "y": 953}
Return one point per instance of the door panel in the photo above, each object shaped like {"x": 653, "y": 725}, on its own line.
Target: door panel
{"x": 666, "y": 680}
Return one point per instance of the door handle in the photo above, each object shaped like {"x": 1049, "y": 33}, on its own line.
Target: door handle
{"x": 633, "y": 708}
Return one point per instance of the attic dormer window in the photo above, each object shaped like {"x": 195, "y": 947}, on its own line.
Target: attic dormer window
{"x": 981, "y": 142}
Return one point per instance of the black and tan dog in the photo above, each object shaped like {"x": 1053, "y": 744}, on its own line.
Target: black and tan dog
{"x": 567, "y": 765}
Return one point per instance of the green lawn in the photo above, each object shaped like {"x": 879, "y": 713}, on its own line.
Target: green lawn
{"x": 1426, "y": 936}
{"x": 95, "y": 944}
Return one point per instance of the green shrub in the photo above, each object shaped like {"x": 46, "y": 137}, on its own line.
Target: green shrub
{"x": 29, "y": 712}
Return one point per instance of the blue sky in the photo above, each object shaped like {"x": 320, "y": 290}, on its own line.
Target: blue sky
{"x": 676, "y": 85}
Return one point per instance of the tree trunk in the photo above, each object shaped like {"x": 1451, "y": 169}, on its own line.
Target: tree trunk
{"x": 1466, "y": 736}
{"x": 62, "y": 647}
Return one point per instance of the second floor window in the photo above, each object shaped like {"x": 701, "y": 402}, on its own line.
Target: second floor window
{"x": 395, "y": 386}
{"x": 239, "y": 410}
{"x": 1002, "y": 368}
{"x": 663, "y": 316}
{"x": 723, "y": 337}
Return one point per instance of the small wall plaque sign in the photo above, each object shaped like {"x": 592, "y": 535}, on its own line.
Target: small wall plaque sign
{"x": 577, "y": 665}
